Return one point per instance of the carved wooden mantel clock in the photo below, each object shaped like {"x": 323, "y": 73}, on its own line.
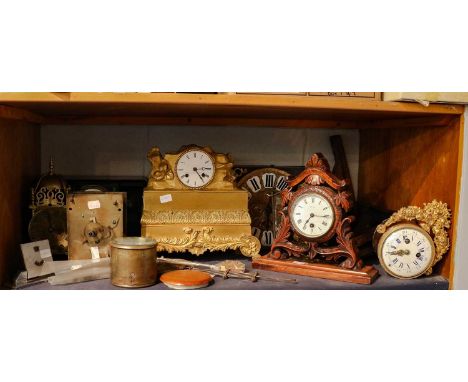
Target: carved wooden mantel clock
{"x": 315, "y": 237}
{"x": 191, "y": 203}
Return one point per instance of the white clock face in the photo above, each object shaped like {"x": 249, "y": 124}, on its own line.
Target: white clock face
{"x": 312, "y": 215}
{"x": 406, "y": 252}
{"x": 195, "y": 168}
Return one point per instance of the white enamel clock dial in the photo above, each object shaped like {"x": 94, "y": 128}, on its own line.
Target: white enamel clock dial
{"x": 312, "y": 215}
{"x": 195, "y": 168}
{"x": 406, "y": 251}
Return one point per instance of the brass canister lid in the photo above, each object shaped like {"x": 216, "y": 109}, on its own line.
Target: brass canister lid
{"x": 133, "y": 243}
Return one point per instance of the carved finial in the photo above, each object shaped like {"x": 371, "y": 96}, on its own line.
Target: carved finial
{"x": 319, "y": 161}
{"x": 51, "y": 166}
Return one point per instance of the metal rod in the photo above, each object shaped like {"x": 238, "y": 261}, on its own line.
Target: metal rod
{"x": 218, "y": 271}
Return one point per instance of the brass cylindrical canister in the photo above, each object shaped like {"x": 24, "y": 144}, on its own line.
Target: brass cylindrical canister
{"x": 133, "y": 262}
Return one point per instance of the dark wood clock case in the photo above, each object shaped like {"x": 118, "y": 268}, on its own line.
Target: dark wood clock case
{"x": 331, "y": 256}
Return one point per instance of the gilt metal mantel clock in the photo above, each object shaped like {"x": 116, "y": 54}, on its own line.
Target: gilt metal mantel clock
{"x": 315, "y": 237}
{"x": 191, "y": 203}
{"x": 413, "y": 240}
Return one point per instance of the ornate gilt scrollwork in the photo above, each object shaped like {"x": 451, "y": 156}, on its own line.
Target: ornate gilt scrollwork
{"x": 196, "y": 217}
{"x": 160, "y": 168}
{"x": 197, "y": 241}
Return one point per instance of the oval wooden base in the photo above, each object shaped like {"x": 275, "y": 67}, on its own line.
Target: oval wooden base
{"x": 366, "y": 275}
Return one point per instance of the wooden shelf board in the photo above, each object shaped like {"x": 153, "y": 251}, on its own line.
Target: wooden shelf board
{"x": 383, "y": 282}
{"x": 60, "y": 107}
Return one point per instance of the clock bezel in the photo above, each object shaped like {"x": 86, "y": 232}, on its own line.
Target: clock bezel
{"x": 187, "y": 150}
{"x": 397, "y": 227}
{"x": 327, "y": 194}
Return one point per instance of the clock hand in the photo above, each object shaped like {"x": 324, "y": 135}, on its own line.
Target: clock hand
{"x": 311, "y": 216}
{"x": 196, "y": 170}
{"x": 400, "y": 252}
{"x": 322, "y": 216}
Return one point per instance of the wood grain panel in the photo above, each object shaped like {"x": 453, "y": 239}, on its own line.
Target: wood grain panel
{"x": 217, "y": 105}
{"x": 410, "y": 166}
{"x": 194, "y": 121}
{"x": 19, "y": 166}
{"x": 8, "y": 112}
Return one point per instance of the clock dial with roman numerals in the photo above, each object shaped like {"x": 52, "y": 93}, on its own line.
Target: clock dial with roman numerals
{"x": 312, "y": 215}
{"x": 264, "y": 187}
{"x": 195, "y": 168}
{"x": 406, "y": 251}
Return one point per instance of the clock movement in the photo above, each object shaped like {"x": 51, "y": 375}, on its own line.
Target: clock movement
{"x": 413, "y": 240}
{"x": 315, "y": 237}
{"x": 94, "y": 219}
{"x": 192, "y": 204}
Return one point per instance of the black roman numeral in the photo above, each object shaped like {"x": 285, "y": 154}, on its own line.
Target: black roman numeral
{"x": 256, "y": 232}
{"x": 254, "y": 184}
{"x": 282, "y": 184}
{"x": 267, "y": 238}
{"x": 269, "y": 180}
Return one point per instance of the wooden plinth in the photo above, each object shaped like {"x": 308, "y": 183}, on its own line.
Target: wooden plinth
{"x": 366, "y": 275}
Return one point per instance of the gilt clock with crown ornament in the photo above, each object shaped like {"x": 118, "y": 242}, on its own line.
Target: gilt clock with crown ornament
{"x": 192, "y": 204}
{"x": 413, "y": 239}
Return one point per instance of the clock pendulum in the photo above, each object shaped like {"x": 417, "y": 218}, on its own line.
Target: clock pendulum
{"x": 315, "y": 237}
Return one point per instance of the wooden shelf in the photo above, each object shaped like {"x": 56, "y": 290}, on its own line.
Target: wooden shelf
{"x": 408, "y": 153}
{"x": 220, "y": 109}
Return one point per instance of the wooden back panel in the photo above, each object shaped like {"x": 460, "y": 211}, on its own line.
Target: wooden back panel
{"x": 412, "y": 165}
{"x": 19, "y": 166}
